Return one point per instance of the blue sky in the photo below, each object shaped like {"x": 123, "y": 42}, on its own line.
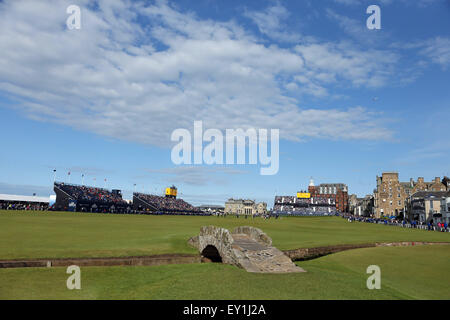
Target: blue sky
{"x": 103, "y": 101}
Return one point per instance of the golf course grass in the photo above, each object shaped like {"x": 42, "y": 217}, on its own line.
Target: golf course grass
{"x": 416, "y": 272}
{"x": 26, "y": 235}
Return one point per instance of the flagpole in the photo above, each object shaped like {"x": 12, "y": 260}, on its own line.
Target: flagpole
{"x": 54, "y": 175}
{"x": 69, "y": 177}
{"x": 82, "y": 179}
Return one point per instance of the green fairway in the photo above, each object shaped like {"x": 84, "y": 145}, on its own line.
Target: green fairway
{"x": 406, "y": 273}
{"x": 25, "y": 235}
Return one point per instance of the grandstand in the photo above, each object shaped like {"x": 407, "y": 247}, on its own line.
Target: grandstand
{"x": 71, "y": 197}
{"x": 304, "y": 206}
{"x": 17, "y": 202}
{"x": 163, "y": 205}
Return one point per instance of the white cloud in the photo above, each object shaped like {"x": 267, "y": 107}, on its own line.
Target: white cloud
{"x": 197, "y": 175}
{"x": 438, "y": 51}
{"x": 420, "y": 3}
{"x": 139, "y": 82}
{"x": 28, "y": 190}
{"x": 270, "y": 23}
{"x": 433, "y": 50}
{"x": 357, "y": 29}
{"x": 345, "y": 62}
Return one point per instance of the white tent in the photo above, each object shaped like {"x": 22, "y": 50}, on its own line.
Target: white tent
{"x": 16, "y": 198}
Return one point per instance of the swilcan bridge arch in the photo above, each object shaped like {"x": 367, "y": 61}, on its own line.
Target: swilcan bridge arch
{"x": 245, "y": 247}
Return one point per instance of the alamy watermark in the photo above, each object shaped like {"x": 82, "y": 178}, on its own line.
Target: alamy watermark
{"x": 74, "y": 281}
{"x": 374, "y": 20}
{"x": 374, "y": 281}
{"x": 74, "y": 20}
{"x": 190, "y": 150}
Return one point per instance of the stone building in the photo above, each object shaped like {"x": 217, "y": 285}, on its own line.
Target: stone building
{"x": 392, "y": 197}
{"x": 430, "y": 205}
{"x": 445, "y": 209}
{"x": 412, "y": 187}
{"x": 446, "y": 182}
{"x": 389, "y": 196}
{"x": 352, "y": 202}
{"x": 245, "y": 207}
{"x": 364, "y": 206}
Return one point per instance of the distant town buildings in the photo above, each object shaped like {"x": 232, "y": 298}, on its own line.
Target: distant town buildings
{"x": 361, "y": 206}
{"x": 245, "y": 207}
{"x": 209, "y": 208}
{"x": 417, "y": 200}
{"x": 427, "y": 205}
{"x": 338, "y": 192}
{"x": 389, "y": 196}
{"x": 412, "y": 187}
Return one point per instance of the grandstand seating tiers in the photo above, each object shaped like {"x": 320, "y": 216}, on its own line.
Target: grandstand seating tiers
{"x": 291, "y": 205}
{"x": 90, "y": 199}
{"x": 151, "y": 202}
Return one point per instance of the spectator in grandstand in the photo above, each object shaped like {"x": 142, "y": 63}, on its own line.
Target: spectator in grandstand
{"x": 91, "y": 194}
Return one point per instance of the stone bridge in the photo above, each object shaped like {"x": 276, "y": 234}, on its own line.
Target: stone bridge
{"x": 246, "y": 247}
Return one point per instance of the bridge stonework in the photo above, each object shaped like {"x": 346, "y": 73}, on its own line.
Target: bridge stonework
{"x": 246, "y": 247}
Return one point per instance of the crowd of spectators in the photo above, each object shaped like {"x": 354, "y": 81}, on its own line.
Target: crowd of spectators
{"x": 291, "y": 205}
{"x": 177, "y": 213}
{"x": 91, "y": 194}
{"x": 302, "y": 211}
{"x": 166, "y": 203}
{"x": 290, "y": 200}
{"x": 23, "y": 206}
{"x": 430, "y": 225}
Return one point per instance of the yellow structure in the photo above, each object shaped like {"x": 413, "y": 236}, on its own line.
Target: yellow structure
{"x": 171, "y": 191}
{"x": 303, "y": 195}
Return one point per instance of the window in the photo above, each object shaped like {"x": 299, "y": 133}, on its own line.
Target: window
{"x": 399, "y": 203}
{"x": 390, "y": 203}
